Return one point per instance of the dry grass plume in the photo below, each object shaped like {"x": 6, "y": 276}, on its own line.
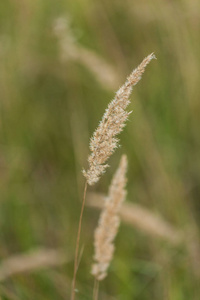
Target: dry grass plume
{"x": 109, "y": 222}
{"x": 104, "y": 141}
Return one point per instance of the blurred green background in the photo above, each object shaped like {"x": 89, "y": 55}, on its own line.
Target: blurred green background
{"x": 60, "y": 64}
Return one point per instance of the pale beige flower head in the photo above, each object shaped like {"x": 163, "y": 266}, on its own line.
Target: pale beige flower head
{"x": 109, "y": 222}
{"x": 104, "y": 141}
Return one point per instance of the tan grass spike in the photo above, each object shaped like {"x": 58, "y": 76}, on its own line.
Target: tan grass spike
{"x": 104, "y": 141}
{"x": 109, "y": 222}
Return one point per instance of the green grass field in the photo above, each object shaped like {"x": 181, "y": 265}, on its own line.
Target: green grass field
{"x": 55, "y": 84}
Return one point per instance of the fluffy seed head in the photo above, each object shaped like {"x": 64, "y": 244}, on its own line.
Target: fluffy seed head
{"x": 109, "y": 222}
{"x": 104, "y": 141}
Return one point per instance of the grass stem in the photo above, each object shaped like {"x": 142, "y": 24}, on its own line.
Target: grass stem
{"x": 77, "y": 244}
{"x": 96, "y": 289}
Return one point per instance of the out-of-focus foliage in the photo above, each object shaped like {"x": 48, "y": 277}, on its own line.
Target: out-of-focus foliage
{"x": 51, "y": 103}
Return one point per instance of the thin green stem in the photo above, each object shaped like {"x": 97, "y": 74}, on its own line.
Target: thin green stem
{"x": 96, "y": 289}
{"x": 77, "y": 244}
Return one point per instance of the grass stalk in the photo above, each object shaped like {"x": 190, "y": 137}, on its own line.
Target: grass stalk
{"x": 96, "y": 289}
{"x": 78, "y": 243}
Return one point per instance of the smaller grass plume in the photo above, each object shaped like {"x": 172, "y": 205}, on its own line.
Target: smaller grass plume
{"x": 109, "y": 222}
